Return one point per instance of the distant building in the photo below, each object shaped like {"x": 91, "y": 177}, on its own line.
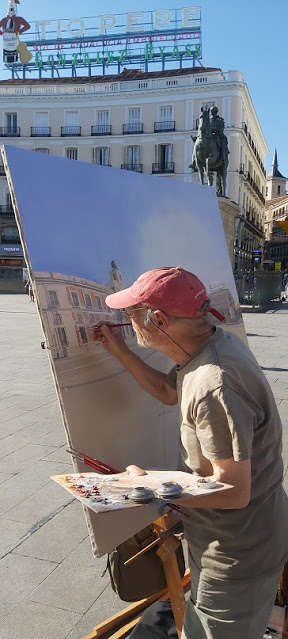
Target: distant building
{"x": 276, "y": 245}
{"x": 144, "y": 122}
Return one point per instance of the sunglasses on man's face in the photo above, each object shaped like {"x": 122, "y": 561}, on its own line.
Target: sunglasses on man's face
{"x": 130, "y": 311}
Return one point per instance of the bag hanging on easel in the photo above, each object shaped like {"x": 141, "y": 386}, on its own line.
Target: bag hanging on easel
{"x": 145, "y": 576}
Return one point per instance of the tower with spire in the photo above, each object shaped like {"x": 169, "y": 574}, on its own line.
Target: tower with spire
{"x": 276, "y": 182}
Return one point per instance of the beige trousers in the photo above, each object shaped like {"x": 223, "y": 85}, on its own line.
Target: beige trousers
{"x": 235, "y": 609}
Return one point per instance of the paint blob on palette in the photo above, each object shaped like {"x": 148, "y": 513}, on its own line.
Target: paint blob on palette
{"x": 103, "y": 493}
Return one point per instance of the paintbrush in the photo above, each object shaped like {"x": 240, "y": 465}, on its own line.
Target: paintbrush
{"x": 101, "y": 467}
{"x": 112, "y": 325}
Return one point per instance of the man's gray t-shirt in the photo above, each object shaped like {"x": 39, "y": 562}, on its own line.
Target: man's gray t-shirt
{"x": 227, "y": 409}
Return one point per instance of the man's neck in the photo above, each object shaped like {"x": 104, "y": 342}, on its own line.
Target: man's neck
{"x": 181, "y": 349}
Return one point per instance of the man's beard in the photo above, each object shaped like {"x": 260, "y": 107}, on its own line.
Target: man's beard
{"x": 144, "y": 339}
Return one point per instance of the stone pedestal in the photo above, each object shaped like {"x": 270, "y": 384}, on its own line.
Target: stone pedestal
{"x": 229, "y": 210}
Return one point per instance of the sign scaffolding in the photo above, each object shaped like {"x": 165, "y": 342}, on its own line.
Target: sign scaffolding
{"x": 108, "y": 43}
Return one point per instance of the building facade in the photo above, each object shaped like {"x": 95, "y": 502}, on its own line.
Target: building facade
{"x": 276, "y": 235}
{"x": 141, "y": 122}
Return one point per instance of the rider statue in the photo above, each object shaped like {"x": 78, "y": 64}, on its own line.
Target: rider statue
{"x": 217, "y": 129}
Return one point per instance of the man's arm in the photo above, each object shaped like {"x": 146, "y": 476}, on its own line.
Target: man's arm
{"x": 228, "y": 471}
{"x": 154, "y": 382}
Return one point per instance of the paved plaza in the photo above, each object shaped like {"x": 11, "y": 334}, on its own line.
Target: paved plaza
{"x": 51, "y": 587}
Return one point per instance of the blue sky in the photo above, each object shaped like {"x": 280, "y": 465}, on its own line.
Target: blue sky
{"x": 250, "y": 35}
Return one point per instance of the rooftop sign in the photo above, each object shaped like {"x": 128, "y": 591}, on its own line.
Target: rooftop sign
{"x": 134, "y": 39}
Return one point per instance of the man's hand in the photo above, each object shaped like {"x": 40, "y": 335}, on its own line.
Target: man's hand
{"x": 111, "y": 338}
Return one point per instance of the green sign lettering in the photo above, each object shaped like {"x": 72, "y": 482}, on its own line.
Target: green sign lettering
{"x": 61, "y": 59}
{"x": 149, "y": 52}
{"x": 176, "y": 52}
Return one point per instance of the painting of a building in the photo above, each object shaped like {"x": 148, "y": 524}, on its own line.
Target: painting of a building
{"x": 71, "y": 306}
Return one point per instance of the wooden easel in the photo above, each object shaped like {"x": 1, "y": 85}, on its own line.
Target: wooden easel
{"x": 128, "y": 618}
{"x": 176, "y": 587}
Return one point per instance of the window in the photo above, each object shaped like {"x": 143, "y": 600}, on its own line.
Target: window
{"x": 83, "y": 334}
{"x": 166, "y": 113}
{"x": 71, "y": 119}
{"x": 164, "y": 154}
{"x": 57, "y": 318}
{"x": 10, "y": 233}
{"x": 79, "y": 318}
{"x": 11, "y": 122}
{"x": 88, "y": 301}
{"x": 62, "y": 336}
{"x": 278, "y": 190}
{"x": 101, "y": 155}
{"x": 132, "y": 155}
{"x": 41, "y": 119}
{"x": 41, "y": 124}
{"x": 41, "y": 149}
{"x": 133, "y": 116}
{"x": 53, "y": 298}
{"x": 75, "y": 299}
{"x": 98, "y": 303}
{"x": 91, "y": 319}
{"x": 72, "y": 154}
{"x": 102, "y": 120}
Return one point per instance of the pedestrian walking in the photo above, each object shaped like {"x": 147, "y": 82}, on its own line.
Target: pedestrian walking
{"x": 30, "y": 290}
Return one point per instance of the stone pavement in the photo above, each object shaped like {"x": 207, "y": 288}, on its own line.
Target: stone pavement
{"x": 51, "y": 585}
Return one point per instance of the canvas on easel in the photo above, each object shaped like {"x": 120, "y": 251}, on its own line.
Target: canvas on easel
{"x": 87, "y": 231}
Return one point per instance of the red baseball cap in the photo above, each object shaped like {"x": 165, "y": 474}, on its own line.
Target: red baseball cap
{"x": 170, "y": 289}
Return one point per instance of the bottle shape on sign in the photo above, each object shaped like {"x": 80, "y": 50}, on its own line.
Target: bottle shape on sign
{"x": 10, "y": 27}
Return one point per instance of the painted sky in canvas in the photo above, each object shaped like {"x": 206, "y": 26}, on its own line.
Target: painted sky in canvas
{"x": 77, "y": 217}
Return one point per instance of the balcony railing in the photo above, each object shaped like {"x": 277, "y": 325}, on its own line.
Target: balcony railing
{"x": 253, "y": 147}
{"x": 133, "y": 167}
{"x": 10, "y": 131}
{"x": 6, "y": 209}
{"x": 70, "y": 131}
{"x": 135, "y": 127}
{"x": 5, "y": 239}
{"x": 159, "y": 167}
{"x": 40, "y": 131}
{"x": 101, "y": 129}
{"x": 168, "y": 125}
{"x": 255, "y": 187}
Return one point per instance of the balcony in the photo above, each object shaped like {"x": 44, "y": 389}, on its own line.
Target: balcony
{"x": 253, "y": 147}
{"x": 135, "y": 127}
{"x": 70, "y": 131}
{"x": 162, "y": 127}
{"x": 10, "y": 131}
{"x": 6, "y": 209}
{"x": 138, "y": 168}
{"x": 166, "y": 167}
{"x": 248, "y": 178}
{"x": 101, "y": 129}
{"x": 40, "y": 131}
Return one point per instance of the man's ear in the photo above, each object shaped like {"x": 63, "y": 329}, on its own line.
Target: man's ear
{"x": 160, "y": 319}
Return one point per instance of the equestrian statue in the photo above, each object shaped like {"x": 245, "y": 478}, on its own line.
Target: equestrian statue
{"x": 210, "y": 153}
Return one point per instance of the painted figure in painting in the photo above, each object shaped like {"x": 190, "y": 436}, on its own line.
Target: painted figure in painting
{"x": 210, "y": 153}
{"x": 11, "y": 27}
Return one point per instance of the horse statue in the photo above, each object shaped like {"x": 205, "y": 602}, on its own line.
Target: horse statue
{"x": 210, "y": 153}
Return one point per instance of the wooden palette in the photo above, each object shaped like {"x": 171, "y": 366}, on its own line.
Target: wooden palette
{"x": 104, "y": 493}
